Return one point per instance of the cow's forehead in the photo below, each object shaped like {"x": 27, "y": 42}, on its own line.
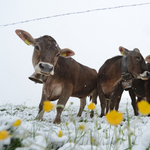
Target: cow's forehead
{"x": 46, "y": 39}
{"x": 133, "y": 53}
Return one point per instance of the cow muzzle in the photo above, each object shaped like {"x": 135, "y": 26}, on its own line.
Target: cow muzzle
{"x": 44, "y": 68}
{"x": 145, "y": 75}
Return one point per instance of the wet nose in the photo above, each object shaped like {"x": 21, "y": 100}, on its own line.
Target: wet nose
{"x": 148, "y": 74}
{"x": 45, "y": 68}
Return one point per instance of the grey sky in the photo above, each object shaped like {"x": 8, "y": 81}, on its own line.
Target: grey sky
{"x": 94, "y": 37}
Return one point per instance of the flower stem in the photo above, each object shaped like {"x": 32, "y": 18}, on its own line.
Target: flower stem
{"x": 116, "y": 139}
{"x": 128, "y": 127}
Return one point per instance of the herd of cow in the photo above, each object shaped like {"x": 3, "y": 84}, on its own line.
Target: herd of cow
{"x": 63, "y": 77}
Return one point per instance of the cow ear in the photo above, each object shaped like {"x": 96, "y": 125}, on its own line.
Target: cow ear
{"x": 123, "y": 51}
{"x": 66, "y": 52}
{"x": 25, "y": 36}
{"x": 136, "y": 50}
{"x": 147, "y": 59}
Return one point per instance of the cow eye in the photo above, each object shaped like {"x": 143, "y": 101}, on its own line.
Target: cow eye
{"x": 37, "y": 48}
{"x": 138, "y": 58}
{"x": 57, "y": 55}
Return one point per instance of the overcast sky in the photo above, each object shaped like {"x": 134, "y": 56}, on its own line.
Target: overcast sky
{"x": 94, "y": 37}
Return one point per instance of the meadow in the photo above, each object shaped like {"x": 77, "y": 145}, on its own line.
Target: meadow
{"x": 74, "y": 133}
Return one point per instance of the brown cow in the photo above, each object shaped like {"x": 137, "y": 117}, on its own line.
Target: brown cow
{"x": 63, "y": 77}
{"x": 140, "y": 88}
{"x": 109, "y": 80}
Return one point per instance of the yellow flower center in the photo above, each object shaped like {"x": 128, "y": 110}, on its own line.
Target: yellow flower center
{"x": 82, "y": 126}
{"x": 60, "y": 134}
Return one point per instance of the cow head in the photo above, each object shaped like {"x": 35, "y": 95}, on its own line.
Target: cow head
{"x": 46, "y": 52}
{"x": 135, "y": 63}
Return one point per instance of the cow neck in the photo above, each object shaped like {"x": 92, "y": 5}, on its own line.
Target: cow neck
{"x": 125, "y": 73}
{"x": 57, "y": 66}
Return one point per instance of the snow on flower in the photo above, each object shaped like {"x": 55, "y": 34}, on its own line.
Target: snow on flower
{"x": 143, "y": 107}
{"x": 91, "y": 106}
{"x": 114, "y": 117}
{"x": 48, "y": 106}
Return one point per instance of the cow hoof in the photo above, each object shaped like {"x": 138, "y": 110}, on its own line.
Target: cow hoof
{"x": 101, "y": 115}
{"x": 136, "y": 114}
{"x": 56, "y": 121}
{"x": 38, "y": 119}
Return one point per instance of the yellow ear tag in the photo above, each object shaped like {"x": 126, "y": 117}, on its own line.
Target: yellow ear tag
{"x": 27, "y": 42}
{"x": 122, "y": 53}
{"x": 64, "y": 54}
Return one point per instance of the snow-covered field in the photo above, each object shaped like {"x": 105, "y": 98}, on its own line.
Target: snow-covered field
{"x": 96, "y": 133}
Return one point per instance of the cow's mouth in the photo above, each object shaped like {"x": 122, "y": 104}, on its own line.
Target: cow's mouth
{"x": 144, "y": 78}
{"x": 47, "y": 73}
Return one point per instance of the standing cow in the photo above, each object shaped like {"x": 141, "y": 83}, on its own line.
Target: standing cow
{"x": 140, "y": 88}
{"x": 63, "y": 76}
{"x": 109, "y": 80}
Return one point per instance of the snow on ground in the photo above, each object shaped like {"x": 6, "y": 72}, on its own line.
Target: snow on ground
{"x": 97, "y": 134}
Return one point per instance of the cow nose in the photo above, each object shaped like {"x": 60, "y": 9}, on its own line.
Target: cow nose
{"x": 46, "y": 68}
{"x": 41, "y": 66}
{"x": 148, "y": 74}
{"x": 145, "y": 75}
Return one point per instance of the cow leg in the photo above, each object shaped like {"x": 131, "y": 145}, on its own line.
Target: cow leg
{"x": 102, "y": 100}
{"x": 107, "y": 105}
{"x": 147, "y": 90}
{"x": 94, "y": 100}
{"x": 41, "y": 110}
{"x": 119, "y": 97}
{"x": 116, "y": 96}
{"x": 82, "y": 105}
{"x": 134, "y": 104}
{"x": 117, "y": 103}
{"x": 66, "y": 93}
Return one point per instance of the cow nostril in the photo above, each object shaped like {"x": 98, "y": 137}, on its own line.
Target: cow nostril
{"x": 41, "y": 66}
{"x": 45, "y": 68}
{"x": 51, "y": 68}
{"x": 148, "y": 74}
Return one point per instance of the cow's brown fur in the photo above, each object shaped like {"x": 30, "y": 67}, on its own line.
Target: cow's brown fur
{"x": 109, "y": 78}
{"x": 140, "y": 89}
{"x": 70, "y": 77}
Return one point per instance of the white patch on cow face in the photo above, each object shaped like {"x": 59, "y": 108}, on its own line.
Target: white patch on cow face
{"x": 52, "y": 72}
{"x": 144, "y": 75}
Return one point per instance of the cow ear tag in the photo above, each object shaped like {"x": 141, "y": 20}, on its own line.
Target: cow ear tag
{"x": 66, "y": 54}
{"x": 27, "y": 42}
{"x": 121, "y": 50}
